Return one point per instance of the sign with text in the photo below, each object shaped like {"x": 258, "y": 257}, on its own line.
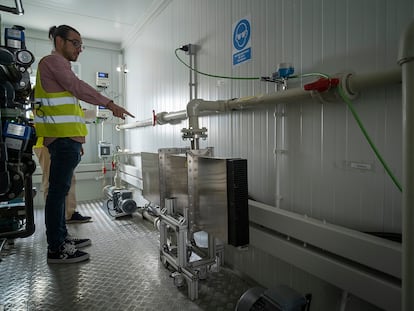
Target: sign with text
{"x": 242, "y": 50}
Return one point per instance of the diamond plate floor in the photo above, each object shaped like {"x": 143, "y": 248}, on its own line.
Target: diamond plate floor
{"x": 124, "y": 272}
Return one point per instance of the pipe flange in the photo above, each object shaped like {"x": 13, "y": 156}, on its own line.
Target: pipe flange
{"x": 194, "y": 133}
{"x": 345, "y": 86}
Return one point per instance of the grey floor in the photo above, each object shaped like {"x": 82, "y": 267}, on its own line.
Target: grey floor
{"x": 123, "y": 273}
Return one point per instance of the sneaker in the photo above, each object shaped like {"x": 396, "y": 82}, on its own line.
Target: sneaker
{"x": 76, "y": 217}
{"x": 78, "y": 243}
{"x": 67, "y": 254}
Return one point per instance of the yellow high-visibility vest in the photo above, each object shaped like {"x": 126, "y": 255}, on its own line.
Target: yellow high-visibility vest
{"x": 59, "y": 114}
{"x": 39, "y": 142}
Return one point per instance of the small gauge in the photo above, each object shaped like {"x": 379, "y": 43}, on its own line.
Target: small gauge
{"x": 24, "y": 57}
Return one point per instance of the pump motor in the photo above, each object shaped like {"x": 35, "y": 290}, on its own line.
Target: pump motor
{"x": 280, "y": 298}
{"x": 120, "y": 202}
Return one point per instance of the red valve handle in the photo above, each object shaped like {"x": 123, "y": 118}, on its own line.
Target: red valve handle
{"x": 154, "y": 118}
{"x": 321, "y": 85}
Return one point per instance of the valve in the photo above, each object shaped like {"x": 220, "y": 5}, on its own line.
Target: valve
{"x": 284, "y": 71}
{"x": 322, "y": 85}
{"x": 280, "y": 77}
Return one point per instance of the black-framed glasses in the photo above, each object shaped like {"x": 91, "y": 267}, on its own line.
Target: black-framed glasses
{"x": 76, "y": 44}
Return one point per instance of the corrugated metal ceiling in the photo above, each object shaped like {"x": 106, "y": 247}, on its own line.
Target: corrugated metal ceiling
{"x": 105, "y": 20}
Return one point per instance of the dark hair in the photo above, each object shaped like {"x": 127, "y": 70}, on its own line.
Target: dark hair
{"x": 61, "y": 31}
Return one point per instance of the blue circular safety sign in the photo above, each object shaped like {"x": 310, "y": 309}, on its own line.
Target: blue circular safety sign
{"x": 241, "y": 35}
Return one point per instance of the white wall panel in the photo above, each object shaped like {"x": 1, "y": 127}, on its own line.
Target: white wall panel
{"x": 300, "y": 155}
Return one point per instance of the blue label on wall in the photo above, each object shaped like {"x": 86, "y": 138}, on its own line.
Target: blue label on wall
{"x": 242, "y": 50}
{"x": 242, "y": 56}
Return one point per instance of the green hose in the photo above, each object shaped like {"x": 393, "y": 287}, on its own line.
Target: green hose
{"x": 361, "y": 126}
{"x": 243, "y": 78}
{"x": 211, "y": 75}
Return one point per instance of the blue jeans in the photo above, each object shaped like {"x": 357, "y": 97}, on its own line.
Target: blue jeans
{"x": 64, "y": 157}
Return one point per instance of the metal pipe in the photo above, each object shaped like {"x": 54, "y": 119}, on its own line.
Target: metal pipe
{"x": 406, "y": 60}
{"x": 195, "y": 82}
{"x": 171, "y": 117}
{"x": 191, "y": 52}
{"x": 190, "y": 83}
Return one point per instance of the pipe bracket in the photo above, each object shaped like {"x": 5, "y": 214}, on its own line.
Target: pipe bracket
{"x": 194, "y": 133}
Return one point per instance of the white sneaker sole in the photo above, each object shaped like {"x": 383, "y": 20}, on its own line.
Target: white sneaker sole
{"x": 69, "y": 260}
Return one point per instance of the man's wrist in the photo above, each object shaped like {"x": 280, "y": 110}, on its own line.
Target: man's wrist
{"x": 109, "y": 104}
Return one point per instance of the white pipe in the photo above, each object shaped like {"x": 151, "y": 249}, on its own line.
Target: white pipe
{"x": 356, "y": 83}
{"x": 196, "y": 106}
{"x": 142, "y": 123}
{"x": 351, "y": 84}
{"x": 406, "y": 60}
{"x": 160, "y": 119}
{"x": 127, "y": 153}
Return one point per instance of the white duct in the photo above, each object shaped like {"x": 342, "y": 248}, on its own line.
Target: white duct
{"x": 406, "y": 60}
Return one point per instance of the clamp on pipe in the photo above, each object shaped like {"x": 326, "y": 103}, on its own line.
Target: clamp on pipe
{"x": 194, "y": 108}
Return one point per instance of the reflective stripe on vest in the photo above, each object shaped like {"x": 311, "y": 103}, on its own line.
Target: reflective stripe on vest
{"x": 57, "y": 101}
{"x": 59, "y": 119}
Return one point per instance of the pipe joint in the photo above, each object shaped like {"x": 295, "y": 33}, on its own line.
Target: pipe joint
{"x": 406, "y": 48}
{"x": 346, "y": 86}
{"x": 193, "y": 107}
{"x": 197, "y": 107}
{"x": 159, "y": 118}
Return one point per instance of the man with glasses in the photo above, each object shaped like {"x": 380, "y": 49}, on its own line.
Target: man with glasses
{"x": 60, "y": 121}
